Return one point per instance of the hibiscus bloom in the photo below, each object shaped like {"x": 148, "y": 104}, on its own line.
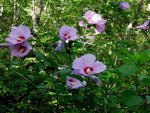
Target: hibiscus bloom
{"x": 144, "y": 26}
{"x": 124, "y": 5}
{"x": 73, "y": 83}
{"x": 67, "y": 33}
{"x": 94, "y": 18}
{"x": 86, "y": 65}
{"x": 21, "y": 49}
{"x": 88, "y": 15}
{"x": 19, "y": 35}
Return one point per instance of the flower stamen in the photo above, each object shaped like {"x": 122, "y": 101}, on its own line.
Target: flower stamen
{"x": 20, "y": 39}
{"x": 88, "y": 70}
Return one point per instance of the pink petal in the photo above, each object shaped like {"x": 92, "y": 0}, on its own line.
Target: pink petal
{"x": 72, "y": 31}
{"x": 88, "y": 15}
{"x": 96, "y": 18}
{"x": 100, "y": 28}
{"x": 74, "y": 37}
{"x": 101, "y": 22}
{"x": 15, "y": 33}
{"x": 78, "y": 63}
{"x": 64, "y": 29}
{"x": 11, "y": 40}
{"x": 145, "y": 25}
{"x": 25, "y": 31}
{"x": 98, "y": 67}
{"x": 88, "y": 59}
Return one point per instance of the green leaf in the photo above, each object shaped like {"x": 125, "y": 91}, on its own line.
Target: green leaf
{"x": 141, "y": 77}
{"x": 148, "y": 99}
{"x": 127, "y": 70}
{"x": 144, "y": 57}
{"x": 130, "y": 99}
{"x": 42, "y": 58}
{"x": 146, "y": 81}
{"x": 128, "y": 54}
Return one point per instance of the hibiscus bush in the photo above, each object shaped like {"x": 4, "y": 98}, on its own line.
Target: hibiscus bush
{"x": 75, "y": 56}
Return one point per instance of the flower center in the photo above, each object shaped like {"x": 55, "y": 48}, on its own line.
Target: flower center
{"x": 72, "y": 82}
{"x": 20, "y": 38}
{"x": 67, "y": 36}
{"x": 22, "y": 49}
{"x": 88, "y": 70}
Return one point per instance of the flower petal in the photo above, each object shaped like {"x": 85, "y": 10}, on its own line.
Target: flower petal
{"x": 78, "y": 63}
{"x": 100, "y": 28}
{"x": 98, "y": 67}
{"x": 25, "y": 31}
{"x": 88, "y": 59}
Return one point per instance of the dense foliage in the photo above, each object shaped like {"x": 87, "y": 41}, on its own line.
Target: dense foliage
{"x": 36, "y": 83}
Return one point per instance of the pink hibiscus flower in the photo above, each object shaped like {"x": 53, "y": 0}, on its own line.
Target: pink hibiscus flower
{"x": 86, "y": 65}
{"x": 21, "y": 49}
{"x": 73, "y": 83}
{"x": 67, "y": 33}
{"x": 19, "y": 35}
{"x": 94, "y": 18}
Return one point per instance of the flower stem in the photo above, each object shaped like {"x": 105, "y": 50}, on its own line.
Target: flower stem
{"x": 68, "y": 50}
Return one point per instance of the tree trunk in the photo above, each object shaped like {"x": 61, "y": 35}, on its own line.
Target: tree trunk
{"x": 36, "y": 13}
{"x": 1, "y": 8}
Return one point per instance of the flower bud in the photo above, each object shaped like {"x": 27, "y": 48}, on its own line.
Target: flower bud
{"x": 124, "y": 5}
{"x": 97, "y": 81}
